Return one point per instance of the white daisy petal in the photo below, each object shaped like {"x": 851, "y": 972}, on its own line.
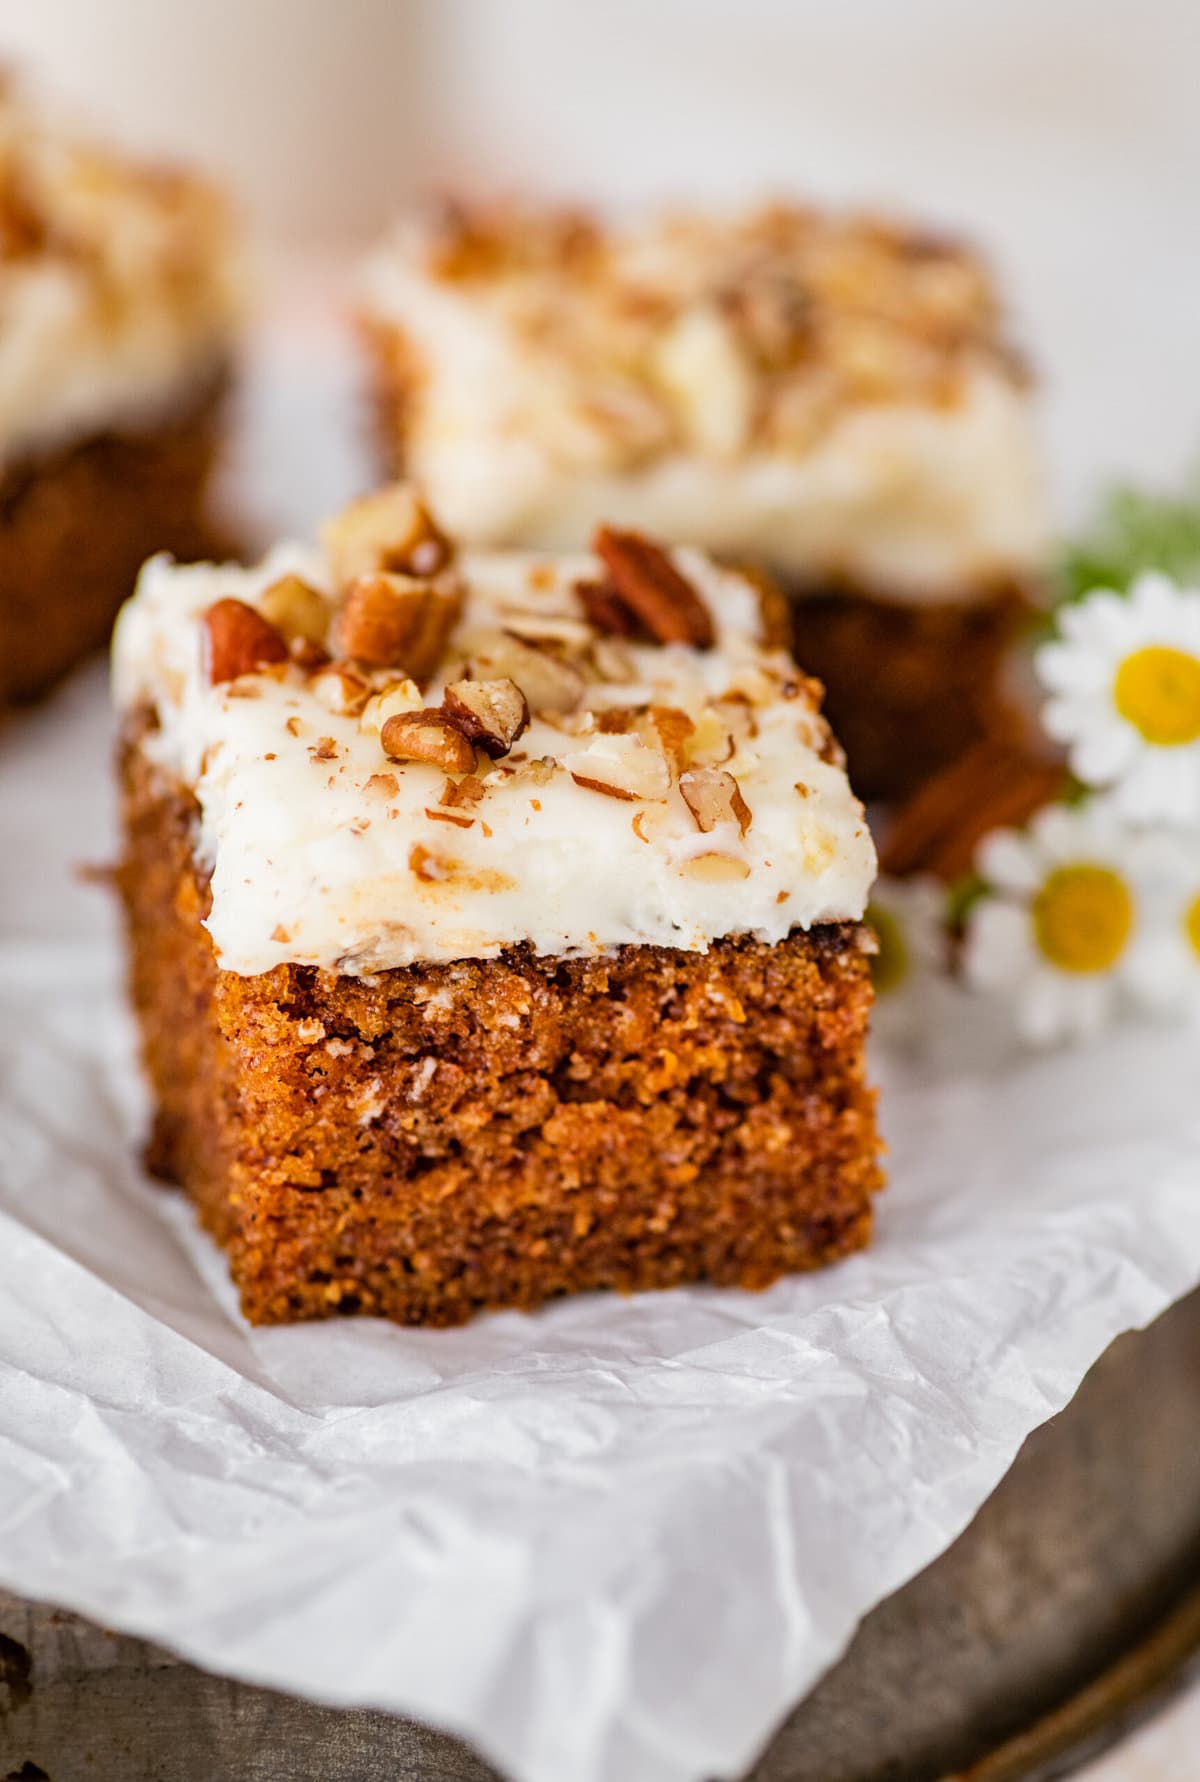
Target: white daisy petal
{"x": 998, "y": 949}
{"x": 1088, "y": 1006}
{"x": 1153, "y": 597}
{"x": 1064, "y": 669}
{"x": 1041, "y": 1013}
{"x": 1156, "y": 969}
{"x": 1063, "y": 833}
{"x": 1163, "y": 786}
{"x": 1006, "y": 860}
{"x": 1103, "y": 753}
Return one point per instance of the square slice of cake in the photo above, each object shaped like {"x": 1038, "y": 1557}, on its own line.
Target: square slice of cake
{"x": 833, "y": 397}
{"x": 119, "y": 299}
{"x": 495, "y": 922}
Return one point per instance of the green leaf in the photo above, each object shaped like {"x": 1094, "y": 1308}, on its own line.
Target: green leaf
{"x": 1134, "y": 531}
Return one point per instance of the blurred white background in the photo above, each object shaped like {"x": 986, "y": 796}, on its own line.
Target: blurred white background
{"x": 1065, "y": 134}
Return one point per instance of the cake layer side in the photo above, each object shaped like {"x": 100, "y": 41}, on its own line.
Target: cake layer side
{"x": 831, "y": 393}
{"x": 908, "y": 690}
{"x": 444, "y": 1138}
{"x": 77, "y": 524}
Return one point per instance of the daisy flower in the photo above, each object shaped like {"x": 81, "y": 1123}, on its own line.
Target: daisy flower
{"x": 1124, "y": 680}
{"x": 1168, "y": 947}
{"x": 1060, "y": 926}
{"x": 909, "y": 919}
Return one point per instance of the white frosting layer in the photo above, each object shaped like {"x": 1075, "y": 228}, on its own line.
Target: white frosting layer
{"x": 123, "y": 300}
{"x": 64, "y": 376}
{"x": 915, "y": 500}
{"x": 317, "y": 861}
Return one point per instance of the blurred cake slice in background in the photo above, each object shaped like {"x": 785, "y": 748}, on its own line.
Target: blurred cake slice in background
{"x": 119, "y": 299}
{"x": 832, "y": 397}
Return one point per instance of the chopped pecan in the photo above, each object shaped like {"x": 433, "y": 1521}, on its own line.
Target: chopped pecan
{"x": 550, "y": 685}
{"x": 388, "y": 530}
{"x": 400, "y": 695}
{"x": 621, "y": 766}
{"x": 340, "y": 691}
{"x": 711, "y": 741}
{"x": 427, "y": 736}
{"x": 392, "y": 621}
{"x": 238, "y": 640}
{"x": 661, "y": 727}
{"x": 605, "y": 609}
{"x": 672, "y": 729}
{"x": 458, "y": 792}
{"x": 649, "y": 583}
{"x": 490, "y": 714}
{"x": 716, "y": 868}
{"x": 295, "y": 609}
{"x": 612, "y": 661}
{"x": 714, "y": 796}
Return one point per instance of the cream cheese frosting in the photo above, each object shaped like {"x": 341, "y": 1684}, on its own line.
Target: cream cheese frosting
{"x": 831, "y": 395}
{"x": 120, "y": 286}
{"x": 325, "y": 852}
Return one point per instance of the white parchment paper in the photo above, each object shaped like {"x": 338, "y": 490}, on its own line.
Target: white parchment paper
{"x": 613, "y": 1542}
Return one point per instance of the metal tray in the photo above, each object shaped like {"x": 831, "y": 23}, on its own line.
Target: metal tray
{"x": 1066, "y": 1611}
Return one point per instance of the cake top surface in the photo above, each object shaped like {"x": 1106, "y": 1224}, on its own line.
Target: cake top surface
{"x": 400, "y": 753}
{"x": 120, "y": 281}
{"x": 835, "y": 392}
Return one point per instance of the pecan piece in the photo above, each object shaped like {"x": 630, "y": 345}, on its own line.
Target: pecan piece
{"x": 392, "y": 621}
{"x": 714, "y": 796}
{"x": 388, "y": 530}
{"x": 340, "y": 691}
{"x": 605, "y": 609}
{"x": 238, "y": 640}
{"x": 715, "y": 868}
{"x": 621, "y": 766}
{"x": 650, "y": 585}
{"x": 550, "y": 685}
{"x": 296, "y": 610}
{"x": 490, "y": 714}
{"x": 427, "y": 736}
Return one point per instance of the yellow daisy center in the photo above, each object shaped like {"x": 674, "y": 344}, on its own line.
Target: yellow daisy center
{"x": 1083, "y": 917}
{"x": 1157, "y": 690}
{"x": 1191, "y": 924}
{"x": 889, "y": 967}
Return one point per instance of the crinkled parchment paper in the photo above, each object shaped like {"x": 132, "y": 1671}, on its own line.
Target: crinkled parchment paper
{"x": 613, "y": 1542}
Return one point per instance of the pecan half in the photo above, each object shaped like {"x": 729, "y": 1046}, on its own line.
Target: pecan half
{"x": 388, "y": 530}
{"x": 714, "y": 796}
{"x": 237, "y": 640}
{"x": 392, "y": 621}
{"x": 490, "y": 714}
{"x": 427, "y": 736}
{"x": 645, "y": 578}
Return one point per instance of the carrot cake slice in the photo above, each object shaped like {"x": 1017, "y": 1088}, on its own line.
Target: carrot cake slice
{"x": 831, "y": 396}
{"x": 118, "y": 302}
{"x": 495, "y": 922}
